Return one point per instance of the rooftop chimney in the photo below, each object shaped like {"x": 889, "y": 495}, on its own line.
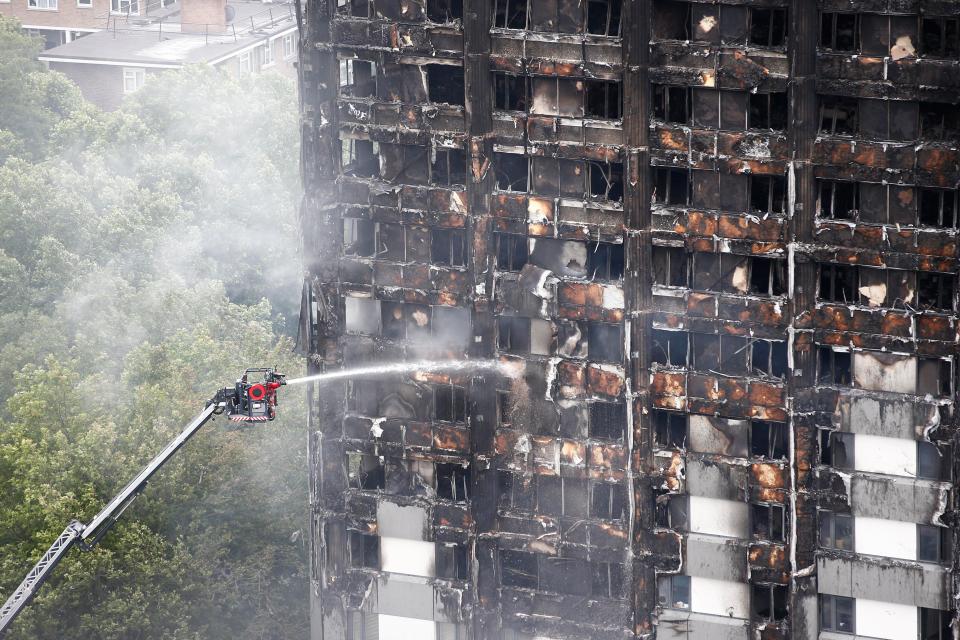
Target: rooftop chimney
{"x": 203, "y": 16}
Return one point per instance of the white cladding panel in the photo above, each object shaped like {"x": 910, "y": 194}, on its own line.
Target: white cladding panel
{"x": 719, "y": 517}
{"x": 875, "y": 619}
{"x": 399, "y": 628}
{"x": 890, "y": 538}
{"x": 892, "y": 456}
{"x": 410, "y": 557}
{"x": 720, "y": 597}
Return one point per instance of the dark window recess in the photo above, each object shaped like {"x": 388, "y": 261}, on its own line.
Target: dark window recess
{"x": 359, "y": 237}
{"x": 935, "y": 290}
{"x": 607, "y": 579}
{"x": 515, "y": 492}
{"x": 768, "y": 194}
{"x": 672, "y": 511}
{"x": 365, "y": 472}
{"x": 606, "y": 180}
{"x": 840, "y": 31}
{"x": 449, "y": 168}
{"x": 452, "y": 561}
{"x": 768, "y": 27}
{"x": 838, "y": 115}
{"x": 405, "y": 163}
{"x": 722, "y": 354}
{"x": 453, "y": 482}
{"x": 608, "y": 501}
{"x": 602, "y": 99}
{"x": 510, "y": 14}
{"x": 938, "y": 208}
{"x": 837, "y": 614}
{"x": 669, "y": 429}
{"x": 767, "y": 276}
{"x": 767, "y": 521}
{"x": 399, "y": 321}
{"x": 931, "y": 463}
{"x": 357, "y": 8}
{"x": 519, "y": 569}
{"x": 509, "y": 92}
{"x": 768, "y": 358}
{"x": 838, "y": 200}
{"x": 939, "y": 121}
{"x": 673, "y": 592}
{"x": 670, "y": 186}
{"x": 671, "y": 104}
{"x": 450, "y": 403}
{"x": 608, "y": 420}
{"x": 513, "y": 334}
{"x": 444, "y": 10}
{"x": 935, "y": 376}
{"x": 512, "y": 170}
{"x": 505, "y": 407}
{"x": 836, "y": 449}
{"x": 603, "y": 17}
{"x": 934, "y": 544}
{"x": 671, "y": 20}
{"x": 669, "y": 348}
{"x": 364, "y": 550}
{"x": 445, "y": 83}
{"x": 448, "y": 247}
{"x": 358, "y": 158}
{"x": 511, "y": 251}
{"x": 769, "y": 111}
{"x": 838, "y": 283}
{"x": 768, "y": 439}
{"x": 768, "y": 602}
{"x": 358, "y": 78}
{"x": 670, "y": 266}
{"x": 605, "y": 261}
{"x": 935, "y": 624}
{"x": 604, "y": 342}
{"x": 833, "y": 366}
{"x": 940, "y": 37}
{"x": 835, "y": 530}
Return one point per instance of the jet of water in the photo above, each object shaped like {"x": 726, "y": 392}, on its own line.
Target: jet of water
{"x": 505, "y": 368}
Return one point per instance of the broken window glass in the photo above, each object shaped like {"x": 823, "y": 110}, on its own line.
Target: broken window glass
{"x": 358, "y": 237}
{"x": 608, "y": 420}
{"x": 941, "y": 37}
{"x": 606, "y": 180}
{"x": 840, "y": 31}
{"x": 768, "y": 358}
{"x": 444, "y": 11}
{"x": 607, "y": 579}
{"x": 768, "y": 27}
{"x": 671, "y": 20}
{"x": 672, "y": 511}
{"x": 671, "y": 104}
{"x": 768, "y": 439}
{"x": 512, "y": 251}
{"x": 449, "y": 168}
{"x": 931, "y": 463}
{"x": 838, "y": 283}
{"x": 365, "y": 471}
{"x": 450, "y": 403}
{"x": 767, "y": 521}
{"x": 512, "y": 170}
{"x": 837, "y": 613}
{"x": 934, "y": 544}
{"x": 768, "y": 111}
{"x": 669, "y": 348}
{"x": 670, "y": 266}
{"x": 452, "y": 561}
{"x": 670, "y": 186}
{"x": 608, "y": 501}
{"x": 837, "y": 199}
{"x": 509, "y": 92}
{"x": 838, "y": 115}
{"x": 604, "y": 342}
{"x": 670, "y": 429}
{"x": 356, "y": 8}
{"x": 836, "y": 449}
{"x": 939, "y": 121}
{"x": 445, "y": 83}
{"x": 833, "y": 366}
{"x": 405, "y": 163}
{"x": 510, "y": 14}
{"x": 519, "y": 569}
{"x": 516, "y": 491}
{"x": 453, "y": 481}
{"x": 359, "y": 158}
{"x": 767, "y": 276}
{"x": 768, "y": 602}
{"x": 935, "y": 377}
{"x": 358, "y": 78}
{"x": 605, "y": 261}
{"x": 448, "y": 247}
{"x": 768, "y": 194}
{"x": 364, "y": 550}
{"x": 938, "y": 208}
{"x": 602, "y": 99}
{"x": 935, "y": 290}
{"x": 673, "y": 592}
{"x": 603, "y": 17}
{"x": 835, "y": 530}
{"x": 523, "y": 335}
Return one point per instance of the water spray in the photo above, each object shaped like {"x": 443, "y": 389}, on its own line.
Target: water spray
{"x": 506, "y": 368}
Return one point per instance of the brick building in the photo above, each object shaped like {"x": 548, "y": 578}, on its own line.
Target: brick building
{"x": 717, "y": 239}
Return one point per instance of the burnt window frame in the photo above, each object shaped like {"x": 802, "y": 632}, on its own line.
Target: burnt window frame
{"x": 563, "y": 496}
{"x": 450, "y": 403}
{"x": 509, "y": 497}
{"x": 940, "y": 469}
{"x": 941, "y": 22}
{"x": 451, "y": 561}
{"x": 364, "y": 550}
{"x": 515, "y": 255}
{"x": 827, "y": 536}
{"x": 352, "y": 8}
{"x": 942, "y": 630}
{"x": 365, "y": 480}
{"x": 727, "y": 263}
{"x": 607, "y": 499}
{"x": 606, "y": 579}
{"x": 835, "y": 362}
{"x": 448, "y": 167}
{"x": 829, "y": 109}
{"x": 347, "y": 79}
{"x": 770, "y": 116}
{"x": 835, "y": 281}
{"x": 770, "y": 41}
{"x": 448, "y": 247}
{"x": 829, "y": 441}
{"x": 364, "y": 234}
{"x": 772, "y": 364}
{"x": 830, "y": 30}
{"x": 938, "y": 122}
{"x": 603, "y": 353}
{"x": 826, "y": 202}
{"x": 945, "y": 377}
{"x": 677, "y": 270}
{"x": 505, "y": 182}
{"x": 446, "y": 84}
{"x": 663, "y": 103}
{"x": 671, "y": 511}
{"x": 773, "y": 284}
{"x": 505, "y": 408}
{"x": 770, "y": 531}
{"x": 671, "y": 179}
{"x": 769, "y": 186}
{"x": 449, "y": 8}
{"x": 946, "y": 210}
{"x": 616, "y": 414}
{"x": 351, "y": 164}
{"x": 609, "y": 186}
{"x": 524, "y": 572}
{"x": 670, "y": 429}
{"x": 828, "y": 613}
{"x": 605, "y": 94}
{"x": 773, "y": 443}
{"x": 739, "y": 344}
{"x": 941, "y": 537}
{"x": 775, "y": 596}
{"x": 606, "y": 261}
{"x": 511, "y": 329}
{"x": 672, "y": 345}
{"x": 456, "y": 481}
{"x": 510, "y": 84}
{"x": 944, "y": 283}
{"x": 611, "y": 17}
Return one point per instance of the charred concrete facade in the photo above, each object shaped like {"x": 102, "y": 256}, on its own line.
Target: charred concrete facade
{"x": 716, "y": 242}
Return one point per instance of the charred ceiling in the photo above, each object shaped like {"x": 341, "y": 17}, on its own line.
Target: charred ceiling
{"x": 718, "y": 243}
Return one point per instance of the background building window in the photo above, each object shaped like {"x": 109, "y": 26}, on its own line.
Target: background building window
{"x": 837, "y": 613}
{"x": 133, "y": 79}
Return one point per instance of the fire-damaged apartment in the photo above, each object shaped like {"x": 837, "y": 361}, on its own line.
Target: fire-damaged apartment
{"x": 712, "y": 245}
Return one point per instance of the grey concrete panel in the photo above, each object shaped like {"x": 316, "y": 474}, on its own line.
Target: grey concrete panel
{"x": 711, "y": 480}
{"x": 395, "y": 521}
{"x": 407, "y": 596}
{"x": 716, "y": 558}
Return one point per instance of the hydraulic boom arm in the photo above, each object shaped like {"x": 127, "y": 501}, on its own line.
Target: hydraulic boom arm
{"x": 245, "y": 402}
